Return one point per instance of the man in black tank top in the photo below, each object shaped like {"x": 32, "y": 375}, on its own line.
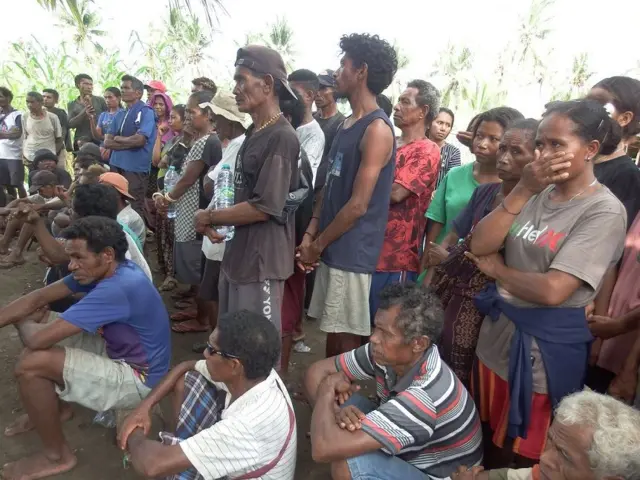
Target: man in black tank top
{"x": 346, "y": 231}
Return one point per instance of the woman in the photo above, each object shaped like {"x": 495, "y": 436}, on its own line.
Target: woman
{"x": 457, "y": 280}
{"x": 100, "y": 127}
{"x": 454, "y": 192}
{"x": 188, "y": 196}
{"x": 561, "y": 230}
{"x": 438, "y": 132}
{"x": 173, "y": 153}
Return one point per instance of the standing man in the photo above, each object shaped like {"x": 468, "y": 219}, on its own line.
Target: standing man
{"x": 40, "y": 129}
{"x": 305, "y": 83}
{"x": 414, "y": 180}
{"x": 83, "y": 107}
{"x": 203, "y": 83}
{"x": 259, "y": 258}
{"x": 347, "y": 229}
{"x": 329, "y": 119}
{"x": 51, "y": 98}
{"x": 131, "y": 138}
{"x": 11, "y": 168}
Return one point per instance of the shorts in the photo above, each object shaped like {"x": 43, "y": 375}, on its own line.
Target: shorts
{"x": 210, "y": 279}
{"x": 93, "y": 380}
{"x": 11, "y": 172}
{"x": 341, "y": 301}
{"x": 186, "y": 261}
{"x": 381, "y": 280}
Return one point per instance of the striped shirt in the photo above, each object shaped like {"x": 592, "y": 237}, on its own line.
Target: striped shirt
{"x": 427, "y": 417}
{"x": 250, "y": 434}
{"x": 449, "y": 158}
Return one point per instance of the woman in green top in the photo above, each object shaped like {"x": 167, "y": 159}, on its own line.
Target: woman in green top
{"x": 456, "y": 189}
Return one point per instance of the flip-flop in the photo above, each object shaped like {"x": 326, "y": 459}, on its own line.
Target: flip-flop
{"x": 182, "y": 295}
{"x": 184, "y": 316}
{"x": 169, "y": 284}
{"x": 184, "y": 304}
{"x": 190, "y": 326}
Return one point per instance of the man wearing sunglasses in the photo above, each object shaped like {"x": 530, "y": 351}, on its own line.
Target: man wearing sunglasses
{"x": 236, "y": 419}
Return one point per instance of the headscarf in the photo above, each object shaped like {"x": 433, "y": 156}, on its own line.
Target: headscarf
{"x": 168, "y": 105}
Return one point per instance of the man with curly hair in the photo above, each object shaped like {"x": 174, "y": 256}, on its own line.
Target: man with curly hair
{"x": 424, "y": 424}
{"x": 347, "y": 229}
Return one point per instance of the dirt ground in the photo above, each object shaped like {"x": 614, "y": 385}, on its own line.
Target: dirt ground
{"x": 98, "y": 457}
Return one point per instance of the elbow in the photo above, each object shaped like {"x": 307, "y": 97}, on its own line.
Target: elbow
{"x": 319, "y": 451}
{"x": 358, "y": 209}
{"x": 553, "y": 297}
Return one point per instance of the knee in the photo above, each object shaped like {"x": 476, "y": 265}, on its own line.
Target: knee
{"x": 340, "y": 470}
{"x": 30, "y": 362}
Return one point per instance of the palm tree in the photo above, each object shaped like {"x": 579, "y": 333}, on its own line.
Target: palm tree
{"x": 186, "y": 37}
{"x": 280, "y": 38}
{"x": 532, "y": 33}
{"x": 482, "y": 96}
{"x": 77, "y": 16}
{"x": 454, "y": 65}
{"x": 577, "y": 80}
{"x": 403, "y": 59}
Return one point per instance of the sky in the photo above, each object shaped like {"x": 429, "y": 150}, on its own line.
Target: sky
{"x": 421, "y": 28}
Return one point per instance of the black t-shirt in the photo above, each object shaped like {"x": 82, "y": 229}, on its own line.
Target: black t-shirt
{"x": 622, "y": 177}
{"x": 330, "y": 127}
{"x": 64, "y": 123}
{"x": 305, "y": 210}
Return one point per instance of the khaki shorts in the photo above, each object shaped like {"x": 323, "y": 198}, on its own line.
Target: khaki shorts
{"x": 93, "y": 380}
{"x": 341, "y": 301}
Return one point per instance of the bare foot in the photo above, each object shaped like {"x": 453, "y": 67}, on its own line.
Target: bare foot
{"x": 23, "y": 424}
{"x": 39, "y": 466}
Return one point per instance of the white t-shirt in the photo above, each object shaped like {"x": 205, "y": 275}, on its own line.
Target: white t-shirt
{"x": 11, "y": 149}
{"x": 40, "y": 133}
{"x": 135, "y": 255}
{"x": 311, "y": 139}
{"x": 133, "y": 220}
{"x": 250, "y": 434}
{"x": 215, "y": 251}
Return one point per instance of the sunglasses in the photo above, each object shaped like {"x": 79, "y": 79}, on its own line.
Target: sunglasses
{"x": 211, "y": 350}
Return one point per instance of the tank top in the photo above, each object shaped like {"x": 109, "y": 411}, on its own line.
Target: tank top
{"x": 359, "y": 248}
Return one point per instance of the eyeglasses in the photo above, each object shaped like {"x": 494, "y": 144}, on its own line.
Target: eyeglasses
{"x": 211, "y": 350}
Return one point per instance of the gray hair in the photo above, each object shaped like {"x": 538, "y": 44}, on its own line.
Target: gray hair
{"x": 429, "y": 96}
{"x": 615, "y": 447}
{"x": 420, "y": 314}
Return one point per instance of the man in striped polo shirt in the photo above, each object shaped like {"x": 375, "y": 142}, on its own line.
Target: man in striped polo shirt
{"x": 425, "y": 425}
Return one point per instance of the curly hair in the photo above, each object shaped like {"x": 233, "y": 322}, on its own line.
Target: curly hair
{"x": 253, "y": 339}
{"x": 100, "y": 233}
{"x": 420, "y": 313}
{"x": 378, "y": 54}
{"x": 95, "y": 200}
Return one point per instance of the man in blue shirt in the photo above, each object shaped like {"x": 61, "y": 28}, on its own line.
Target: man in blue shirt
{"x": 105, "y": 352}
{"x": 130, "y": 138}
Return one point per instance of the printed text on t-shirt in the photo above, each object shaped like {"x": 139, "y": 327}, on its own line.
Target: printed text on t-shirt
{"x": 544, "y": 237}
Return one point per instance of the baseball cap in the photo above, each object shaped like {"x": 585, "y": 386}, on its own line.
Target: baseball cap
{"x": 118, "y": 182}
{"x": 224, "y": 104}
{"x": 156, "y": 85}
{"x": 43, "y": 154}
{"x": 41, "y": 179}
{"x": 326, "y": 78}
{"x": 91, "y": 149}
{"x": 266, "y": 61}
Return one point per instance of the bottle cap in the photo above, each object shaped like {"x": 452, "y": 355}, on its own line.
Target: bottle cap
{"x": 226, "y": 167}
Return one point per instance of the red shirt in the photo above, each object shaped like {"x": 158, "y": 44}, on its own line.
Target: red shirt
{"x": 416, "y": 170}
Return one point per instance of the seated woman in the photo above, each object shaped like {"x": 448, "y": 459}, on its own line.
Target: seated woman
{"x": 561, "y": 231}
{"x": 457, "y": 280}
{"x": 233, "y": 415}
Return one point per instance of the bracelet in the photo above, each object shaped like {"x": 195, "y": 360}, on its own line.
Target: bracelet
{"x": 504, "y": 207}
{"x": 156, "y": 194}
{"x": 168, "y": 198}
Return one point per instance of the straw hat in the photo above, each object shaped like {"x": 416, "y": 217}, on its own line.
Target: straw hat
{"x": 224, "y": 104}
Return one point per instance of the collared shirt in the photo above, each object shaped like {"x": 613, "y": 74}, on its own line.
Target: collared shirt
{"x": 135, "y": 159}
{"x": 426, "y": 417}
{"x": 83, "y": 126}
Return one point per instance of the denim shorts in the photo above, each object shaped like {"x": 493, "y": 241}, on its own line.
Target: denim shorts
{"x": 378, "y": 465}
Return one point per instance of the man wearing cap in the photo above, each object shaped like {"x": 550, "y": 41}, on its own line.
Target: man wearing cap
{"x": 47, "y": 160}
{"x": 258, "y": 259}
{"x": 130, "y": 220}
{"x": 131, "y": 137}
{"x": 329, "y": 119}
{"x": 83, "y": 107}
{"x": 42, "y": 189}
{"x": 153, "y": 87}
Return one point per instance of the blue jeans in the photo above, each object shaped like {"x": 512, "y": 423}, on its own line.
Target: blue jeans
{"x": 379, "y": 280}
{"x": 378, "y": 465}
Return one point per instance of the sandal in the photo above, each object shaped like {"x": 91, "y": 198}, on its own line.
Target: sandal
{"x": 182, "y": 295}
{"x": 184, "y": 304}
{"x": 184, "y": 316}
{"x": 169, "y": 284}
{"x": 190, "y": 326}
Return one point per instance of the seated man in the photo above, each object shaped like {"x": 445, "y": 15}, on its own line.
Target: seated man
{"x": 106, "y": 351}
{"x": 233, "y": 414}
{"x": 45, "y": 159}
{"x": 592, "y": 437}
{"x": 43, "y": 186}
{"x": 425, "y": 425}
{"x": 127, "y": 216}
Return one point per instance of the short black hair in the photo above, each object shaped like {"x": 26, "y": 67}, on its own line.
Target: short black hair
{"x": 504, "y": 116}
{"x": 592, "y": 122}
{"x": 85, "y": 160}
{"x": 294, "y": 109}
{"x": 449, "y": 112}
{"x": 306, "y": 77}
{"x": 428, "y": 95}
{"x": 206, "y": 83}
{"x": 202, "y": 96}
{"x": 53, "y": 92}
{"x": 136, "y": 83}
{"x": 37, "y": 96}
{"x": 378, "y": 54}
{"x": 180, "y": 109}
{"x": 253, "y": 339}
{"x": 81, "y": 76}
{"x": 99, "y": 199}
{"x": 420, "y": 312}
{"x": 529, "y": 126}
{"x": 384, "y": 103}
{"x": 626, "y": 98}
{"x": 100, "y": 233}
{"x": 7, "y": 93}
{"x": 115, "y": 90}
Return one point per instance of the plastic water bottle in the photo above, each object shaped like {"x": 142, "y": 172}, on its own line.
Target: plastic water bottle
{"x": 170, "y": 180}
{"x": 224, "y": 193}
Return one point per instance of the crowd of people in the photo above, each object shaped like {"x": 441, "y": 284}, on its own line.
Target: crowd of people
{"x": 495, "y": 303}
